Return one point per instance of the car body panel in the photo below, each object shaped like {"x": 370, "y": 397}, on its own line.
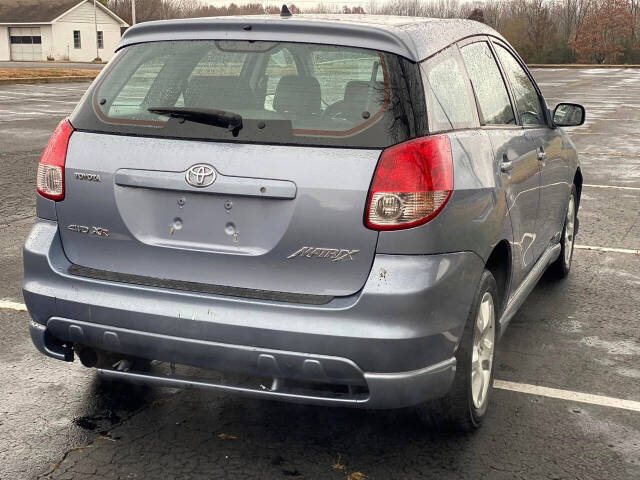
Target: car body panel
{"x": 521, "y": 186}
{"x": 422, "y": 294}
{"x": 556, "y": 178}
{"x": 393, "y": 308}
{"x": 216, "y": 237}
{"x": 477, "y": 209}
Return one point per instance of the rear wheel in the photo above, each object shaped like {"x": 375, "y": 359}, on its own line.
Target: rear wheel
{"x": 560, "y": 268}
{"x": 465, "y": 406}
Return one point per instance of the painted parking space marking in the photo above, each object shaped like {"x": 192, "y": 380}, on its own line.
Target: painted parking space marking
{"x": 607, "y": 249}
{"x": 611, "y": 186}
{"x": 9, "y": 305}
{"x": 568, "y": 395}
{"x": 611, "y": 154}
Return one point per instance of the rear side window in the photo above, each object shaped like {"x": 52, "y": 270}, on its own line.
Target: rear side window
{"x": 131, "y": 96}
{"x": 526, "y": 97}
{"x": 450, "y": 101}
{"x": 336, "y": 69}
{"x": 285, "y": 93}
{"x": 488, "y": 85}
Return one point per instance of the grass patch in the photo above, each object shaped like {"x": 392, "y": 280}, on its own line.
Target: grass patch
{"x": 46, "y": 72}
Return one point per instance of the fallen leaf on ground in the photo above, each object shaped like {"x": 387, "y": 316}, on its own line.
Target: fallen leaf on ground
{"x": 77, "y": 449}
{"x": 356, "y": 476}
{"x": 226, "y": 436}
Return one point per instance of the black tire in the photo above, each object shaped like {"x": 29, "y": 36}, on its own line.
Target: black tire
{"x": 561, "y": 267}
{"x": 457, "y": 411}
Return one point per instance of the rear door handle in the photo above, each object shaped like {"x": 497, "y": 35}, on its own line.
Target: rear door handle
{"x": 506, "y": 166}
{"x": 542, "y": 155}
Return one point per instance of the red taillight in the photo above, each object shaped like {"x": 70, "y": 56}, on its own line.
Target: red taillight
{"x": 412, "y": 184}
{"x": 50, "y": 179}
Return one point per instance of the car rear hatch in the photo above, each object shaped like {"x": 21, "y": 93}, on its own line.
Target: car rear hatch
{"x": 275, "y": 205}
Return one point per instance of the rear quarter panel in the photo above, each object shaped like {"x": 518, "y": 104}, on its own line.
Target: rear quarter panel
{"x": 475, "y": 218}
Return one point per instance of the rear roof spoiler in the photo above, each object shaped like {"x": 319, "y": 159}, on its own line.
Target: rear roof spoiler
{"x": 277, "y": 29}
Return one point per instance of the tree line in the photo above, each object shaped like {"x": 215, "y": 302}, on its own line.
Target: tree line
{"x": 542, "y": 31}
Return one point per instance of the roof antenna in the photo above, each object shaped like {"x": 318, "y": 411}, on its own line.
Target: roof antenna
{"x": 285, "y": 12}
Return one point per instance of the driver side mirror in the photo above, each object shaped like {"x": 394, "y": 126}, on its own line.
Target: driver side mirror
{"x": 568, "y": 115}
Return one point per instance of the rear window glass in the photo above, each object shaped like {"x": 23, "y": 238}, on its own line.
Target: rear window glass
{"x": 284, "y": 93}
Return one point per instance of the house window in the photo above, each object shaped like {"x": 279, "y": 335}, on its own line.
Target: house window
{"x": 100, "y": 39}
{"x": 77, "y": 43}
{"x": 22, "y": 39}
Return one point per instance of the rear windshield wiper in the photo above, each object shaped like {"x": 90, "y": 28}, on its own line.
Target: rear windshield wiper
{"x": 217, "y": 118}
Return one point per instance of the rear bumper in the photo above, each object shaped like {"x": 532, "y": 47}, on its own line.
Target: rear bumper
{"x": 396, "y": 337}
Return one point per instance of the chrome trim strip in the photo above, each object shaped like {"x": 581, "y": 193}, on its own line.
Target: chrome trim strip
{"x": 449, "y": 362}
{"x": 223, "y": 184}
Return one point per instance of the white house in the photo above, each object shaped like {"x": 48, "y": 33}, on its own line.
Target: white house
{"x": 74, "y": 30}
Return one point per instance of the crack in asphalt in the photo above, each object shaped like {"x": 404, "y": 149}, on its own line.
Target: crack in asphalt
{"x": 101, "y": 436}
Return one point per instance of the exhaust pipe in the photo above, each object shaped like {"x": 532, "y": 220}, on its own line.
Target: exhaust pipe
{"x": 88, "y": 356}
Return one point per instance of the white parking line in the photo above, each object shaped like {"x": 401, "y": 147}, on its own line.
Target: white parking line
{"x": 611, "y": 154}
{"x": 610, "y": 186}
{"x": 9, "y": 305}
{"x": 568, "y": 395}
{"x": 607, "y": 249}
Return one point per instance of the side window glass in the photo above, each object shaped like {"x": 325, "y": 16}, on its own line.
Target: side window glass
{"x": 450, "y": 102}
{"x": 488, "y": 85}
{"x": 281, "y": 63}
{"x": 346, "y": 73}
{"x": 527, "y": 101}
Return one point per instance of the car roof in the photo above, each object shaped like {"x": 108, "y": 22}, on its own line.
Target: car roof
{"x": 415, "y": 38}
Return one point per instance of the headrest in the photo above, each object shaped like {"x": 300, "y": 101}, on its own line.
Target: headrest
{"x": 220, "y": 92}
{"x": 297, "y": 94}
{"x": 362, "y": 93}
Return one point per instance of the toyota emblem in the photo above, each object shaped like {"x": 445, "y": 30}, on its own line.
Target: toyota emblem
{"x": 200, "y": 175}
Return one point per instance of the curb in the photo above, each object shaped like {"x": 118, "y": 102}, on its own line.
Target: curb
{"x": 11, "y": 81}
{"x": 579, "y": 65}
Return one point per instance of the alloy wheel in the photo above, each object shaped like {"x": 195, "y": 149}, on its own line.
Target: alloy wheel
{"x": 483, "y": 349}
{"x": 569, "y": 231}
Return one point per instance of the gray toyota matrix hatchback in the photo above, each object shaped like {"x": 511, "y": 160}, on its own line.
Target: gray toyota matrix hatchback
{"x": 345, "y": 210}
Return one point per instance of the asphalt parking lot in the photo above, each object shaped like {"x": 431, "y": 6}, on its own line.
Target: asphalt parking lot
{"x": 567, "y": 404}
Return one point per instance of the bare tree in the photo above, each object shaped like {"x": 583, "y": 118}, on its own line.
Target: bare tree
{"x": 539, "y": 29}
{"x": 603, "y": 32}
{"x": 539, "y": 24}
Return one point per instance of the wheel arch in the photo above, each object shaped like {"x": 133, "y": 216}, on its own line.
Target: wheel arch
{"x": 500, "y": 265}
{"x": 577, "y": 181}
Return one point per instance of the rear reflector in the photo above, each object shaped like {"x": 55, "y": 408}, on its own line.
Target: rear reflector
{"x": 412, "y": 184}
{"x": 50, "y": 177}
